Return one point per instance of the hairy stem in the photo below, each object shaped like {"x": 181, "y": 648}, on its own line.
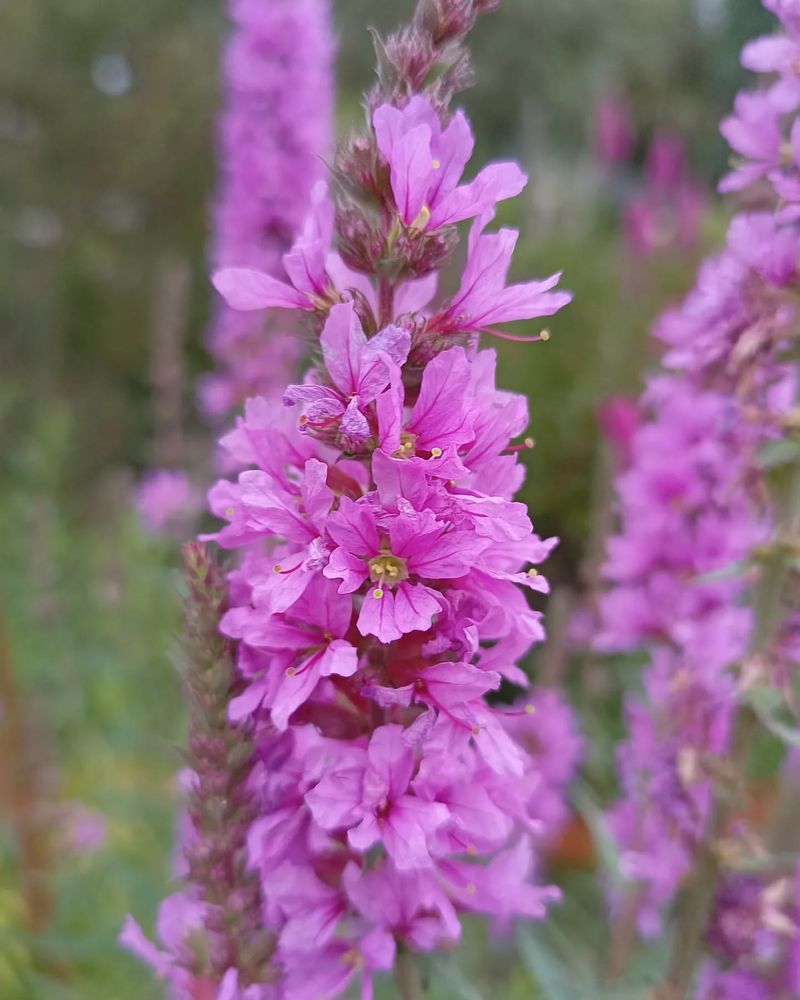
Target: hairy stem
{"x": 220, "y": 805}
{"x": 385, "y": 302}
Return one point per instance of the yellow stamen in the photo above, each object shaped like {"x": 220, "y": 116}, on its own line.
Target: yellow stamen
{"x": 436, "y": 164}
{"x": 544, "y": 335}
{"x": 529, "y": 443}
{"x": 530, "y": 709}
{"x": 377, "y": 593}
{"x": 229, "y": 512}
{"x": 436, "y": 452}
{"x": 290, "y": 671}
{"x": 277, "y": 568}
{"x": 533, "y": 573}
{"x": 476, "y": 730}
{"x": 387, "y": 570}
{"x": 472, "y": 888}
{"x": 422, "y": 219}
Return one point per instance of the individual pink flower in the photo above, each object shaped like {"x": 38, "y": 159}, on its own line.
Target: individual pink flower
{"x": 502, "y": 888}
{"x": 360, "y": 370}
{"x": 426, "y": 162}
{"x": 165, "y": 499}
{"x": 414, "y": 547}
{"x": 179, "y": 917}
{"x": 368, "y": 791}
{"x": 440, "y": 421}
{"x": 411, "y": 905}
{"x": 754, "y": 132}
{"x": 483, "y": 299}
{"x": 306, "y": 643}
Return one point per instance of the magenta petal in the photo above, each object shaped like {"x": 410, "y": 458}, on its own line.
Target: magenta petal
{"x": 414, "y": 607}
{"x": 377, "y": 616}
{"x": 247, "y": 702}
{"x": 367, "y": 833}
{"x": 245, "y": 289}
{"x": 342, "y": 342}
{"x": 494, "y": 183}
{"x": 340, "y": 658}
{"x": 293, "y": 691}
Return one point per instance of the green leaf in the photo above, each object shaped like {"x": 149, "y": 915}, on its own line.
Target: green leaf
{"x": 783, "y": 452}
{"x": 551, "y": 976}
{"x": 447, "y": 971}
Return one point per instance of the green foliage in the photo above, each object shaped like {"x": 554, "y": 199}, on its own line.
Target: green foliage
{"x": 91, "y": 607}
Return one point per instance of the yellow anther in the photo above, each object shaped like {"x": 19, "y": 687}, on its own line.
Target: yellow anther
{"x": 387, "y": 570}
{"x": 229, "y": 512}
{"x": 532, "y": 573}
{"x": 290, "y": 671}
{"x": 277, "y": 568}
{"x": 377, "y": 593}
{"x": 476, "y": 730}
{"x": 472, "y": 849}
{"x": 436, "y": 164}
{"x": 529, "y": 443}
{"x": 422, "y": 219}
{"x": 530, "y": 709}
{"x": 544, "y": 335}
{"x": 436, "y": 452}
{"x": 471, "y": 888}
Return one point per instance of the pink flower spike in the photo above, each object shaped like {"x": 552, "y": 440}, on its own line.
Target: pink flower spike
{"x": 247, "y": 289}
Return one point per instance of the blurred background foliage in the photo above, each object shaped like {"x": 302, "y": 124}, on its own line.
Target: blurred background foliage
{"x": 107, "y": 135}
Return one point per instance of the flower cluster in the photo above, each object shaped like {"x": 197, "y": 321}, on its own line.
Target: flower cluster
{"x": 752, "y": 938}
{"x": 664, "y": 212}
{"x": 380, "y": 591}
{"x": 273, "y": 133}
{"x": 696, "y": 568}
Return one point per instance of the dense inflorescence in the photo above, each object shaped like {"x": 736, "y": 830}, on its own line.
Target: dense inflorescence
{"x": 698, "y": 571}
{"x": 214, "y": 941}
{"x": 379, "y": 590}
{"x": 274, "y": 131}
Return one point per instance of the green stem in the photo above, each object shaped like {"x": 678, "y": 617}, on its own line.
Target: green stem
{"x": 687, "y": 945}
{"x": 407, "y": 977}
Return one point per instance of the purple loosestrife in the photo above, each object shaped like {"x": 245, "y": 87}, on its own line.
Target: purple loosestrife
{"x": 709, "y": 505}
{"x": 274, "y": 131}
{"x": 379, "y": 596}
{"x": 215, "y": 944}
